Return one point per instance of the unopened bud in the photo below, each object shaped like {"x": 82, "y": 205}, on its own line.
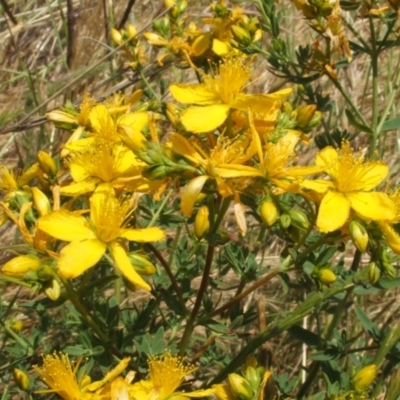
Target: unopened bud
{"x": 116, "y": 37}
{"x": 21, "y": 379}
{"x": 326, "y": 276}
{"x": 374, "y": 273}
{"x": 359, "y": 235}
{"x": 305, "y": 114}
{"x": 21, "y": 265}
{"x": 40, "y": 201}
{"x": 299, "y": 219}
{"x": 363, "y": 378}
{"x": 17, "y": 326}
{"x": 155, "y": 40}
{"x": 269, "y": 212}
{"x": 172, "y": 112}
{"x": 285, "y": 221}
{"x": 62, "y": 118}
{"x": 201, "y": 222}
{"x": 239, "y": 387}
{"x": 47, "y": 163}
{"x": 142, "y": 264}
{"x": 45, "y": 273}
{"x": 155, "y": 172}
{"x": 132, "y": 31}
{"x": 241, "y": 34}
{"x": 52, "y": 290}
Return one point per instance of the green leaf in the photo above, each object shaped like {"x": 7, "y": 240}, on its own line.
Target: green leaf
{"x": 389, "y": 283}
{"x": 371, "y": 328}
{"x": 356, "y": 124}
{"x": 391, "y": 124}
{"x": 309, "y": 338}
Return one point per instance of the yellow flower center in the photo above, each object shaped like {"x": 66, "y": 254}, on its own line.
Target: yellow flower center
{"x": 167, "y": 373}
{"x": 234, "y": 73}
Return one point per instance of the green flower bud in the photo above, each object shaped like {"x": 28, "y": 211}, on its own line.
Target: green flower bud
{"x": 240, "y": 387}
{"x": 241, "y": 35}
{"x": 374, "y": 273}
{"x": 142, "y": 264}
{"x": 363, "y": 378}
{"x": 285, "y": 221}
{"x": 305, "y": 115}
{"x": 299, "y": 219}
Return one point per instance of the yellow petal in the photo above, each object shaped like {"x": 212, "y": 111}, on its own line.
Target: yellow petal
{"x": 373, "y": 206}
{"x": 327, "y": 157}
{"x": 190, "y": 193}
{"x": 369, "y": 175}
{"x": 76, "y": 189}
{"x": 194, "y": 94}
{"x": 142, "y": 235}
{"x": 135, "y": 120}
{"x": 204, "y": 119}
{"x": 124, "y": 265}
{"x": 240, "y": 215}
{"x": 261, "y": 103}
{"x": 235, "y": 171}
{"x": 318, "y": 185}
{"x": 392, "y": 237}
{"x": 333, "y": 212}
{"x": 78, "y": 256}
{"x": 220, "y": 48}
{"x": 79, "y": 145}
{"x": 100, "y": 119}
{"x": 201, "y": 44}
{"x": 183, "y": 147}
{"x": 65, "y": 225}
{"x": 78, "y": 172}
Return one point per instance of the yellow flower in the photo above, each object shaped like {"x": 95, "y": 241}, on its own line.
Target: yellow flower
{"x": 58, "y": 374}
{"x": 167, "y": 373}
{"x": 11, "y": 182}
{"x": 218, "y": 95}
{"x": 350, "y": 189}
{"x": 225, "y": 161}
{"x": 105, "y": 162}
{"x": 391, "y": 235}
{"x": 90, "y": 239}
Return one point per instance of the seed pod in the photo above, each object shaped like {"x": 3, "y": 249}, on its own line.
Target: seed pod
{"x": 364, "y": 377}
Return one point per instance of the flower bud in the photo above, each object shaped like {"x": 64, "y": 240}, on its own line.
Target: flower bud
{"x": 326, "y": 276}
{"x": 52, "y": 290}
{"x": 132, "y": 31}
{"x": 240, "y": 387}
{"x": 285, "y": 221}
{"x": 142, "y": 264}
{"x": 201, "y": 222}
{"x": 21, "y": 265}
{"x": 269, "y": 212}
{"x": 305, "y": 114}
{"x": 299, "y": 219}
{"x": 155, "y": 40}
{"x": 172, "y": 112}
{"x": 17, "y": 326}
{"x": 40, "y": 201}
{"x": 116, "y": 37}
{"x": 47, "y": 163}
{"x": 21, "y": 379}
{"x": 45, "y": 273}
{"x": 62, "y": 118}
{"x": 364, "y": 377}
{"x": 359, "y": 235}
{"x": 241, "y": 35}
{"x": 374, "y": 273}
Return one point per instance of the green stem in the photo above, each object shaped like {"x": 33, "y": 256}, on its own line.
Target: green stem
{"x": 348, "y": 99}
{"x": 21, "y": 341}
{"x": 276, "y": 328}
{"x": 202, "y": 289}
{"x": 375, "y": 89}
{"x": 73, "y": 297}
{"x": 158, "y": 212}
{"x": 168, "y": 270}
